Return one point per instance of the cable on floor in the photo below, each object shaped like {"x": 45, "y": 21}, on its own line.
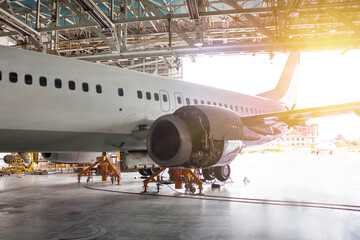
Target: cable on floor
{"x": 332, "y": 206}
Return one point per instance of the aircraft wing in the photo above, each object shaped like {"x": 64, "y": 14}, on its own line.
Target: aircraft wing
{"x": 300, "y": 116}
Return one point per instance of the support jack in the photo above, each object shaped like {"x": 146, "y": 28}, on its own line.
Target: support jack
{"x": 180, "y": 176}
{"x": 106, "y": 170}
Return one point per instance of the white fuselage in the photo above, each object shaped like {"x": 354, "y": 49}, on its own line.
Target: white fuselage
{"x": 46, "y": 118}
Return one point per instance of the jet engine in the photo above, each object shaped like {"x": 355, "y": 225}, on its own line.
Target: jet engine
{"x": 195, "y": 136}
{"x": 71, "y": 157}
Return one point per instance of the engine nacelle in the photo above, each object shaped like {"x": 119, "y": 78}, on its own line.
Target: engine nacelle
{"x": 195, "y": 136}
{"x": 71, "y": 157}
{"x": 7, "y": 158}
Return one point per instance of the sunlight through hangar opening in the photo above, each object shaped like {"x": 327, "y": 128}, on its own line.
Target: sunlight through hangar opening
{"x": 322, "y": 78}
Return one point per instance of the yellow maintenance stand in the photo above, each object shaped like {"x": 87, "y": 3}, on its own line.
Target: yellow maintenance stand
{"x": 106, "y": 170}
{"x": 179, "y": 176}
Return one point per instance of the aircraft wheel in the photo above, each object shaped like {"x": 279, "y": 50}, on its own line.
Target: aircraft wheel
{"x": 208, "y": 174}
{"x": 154, "y": 170}
{"x": 222, "y": 173}
{"x": 143, "y": 172}
{"x": 192, "y": 189}
{"x": 149, "y": 171}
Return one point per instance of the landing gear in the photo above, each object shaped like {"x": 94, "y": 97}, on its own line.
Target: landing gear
{"x": 222, "y": 173}
{"x": 143, "y": 172}
{"x": 147, "y": 171}
{"x": 208, "y": 174}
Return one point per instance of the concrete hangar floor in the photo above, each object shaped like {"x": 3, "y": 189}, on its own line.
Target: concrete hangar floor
{"x": 56, "y": 207}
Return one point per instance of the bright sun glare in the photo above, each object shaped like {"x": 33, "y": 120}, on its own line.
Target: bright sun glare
{"x": 322, "y": 78}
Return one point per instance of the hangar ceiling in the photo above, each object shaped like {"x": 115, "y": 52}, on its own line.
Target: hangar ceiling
{"x": 152, "y": 35}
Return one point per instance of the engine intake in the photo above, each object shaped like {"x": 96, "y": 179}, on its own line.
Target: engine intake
{"x": 195, "y": 136}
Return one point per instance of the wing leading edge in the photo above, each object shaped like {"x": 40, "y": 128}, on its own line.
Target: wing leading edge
{"x": 300, "y": 116}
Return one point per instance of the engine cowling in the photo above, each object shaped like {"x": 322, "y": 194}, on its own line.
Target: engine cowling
{"x": 71, "y": 157}
{"x": 195, "y": 136}
{"x": 137, "y": 160}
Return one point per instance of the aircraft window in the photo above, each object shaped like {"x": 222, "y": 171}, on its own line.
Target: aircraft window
{"x": 225, "y": 105}
{"x": 195, "y": 101}
{"x": 71, "y": 85}
{"x": 242, "y": 109}
{"x": 121, "y": 92}
{"x": 13, "y": 77}
{"x": 43, "y": 81}
{"x": 148, "y": 96}
{"x": 85, "y": 87}
{"x": 0, "y": 76}
{"x": 164, "y": 98}
{"x": 139, "y": 94}
{"x": 247, "y": 110}
{"x": 220, "y": 104}
{"x": 231, "y": 107}
{"x": 236, "y": 108}
{"x": 156, "y": 96}
{"x": 187, "y": 101}
{"x": 255, "y": 110}
{"x": 251, "y": 110}
{"x": 208, "y": 102}
{"x": 98, "y": 88}
{"x": 179, "y": 100}
{"x": 202, "y": 101}
{"x": 28, "y": 79}
{"x": 58, "y": 83}
{"x": 214, "y": 103}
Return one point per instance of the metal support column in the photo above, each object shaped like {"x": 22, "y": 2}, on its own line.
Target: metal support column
{"x": 38, "y": 15}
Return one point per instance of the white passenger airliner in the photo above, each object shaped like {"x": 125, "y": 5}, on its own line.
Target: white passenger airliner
{"x": 52, "y": 104}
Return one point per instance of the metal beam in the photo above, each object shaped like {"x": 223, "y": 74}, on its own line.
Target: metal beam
{"x": 97, "y": 31}
{"x": 20, "y": 27}
{"x": 251, "y": 18}
{"x": 229, "y": 49}
{"x": 38, "y": 9}
{"x": 295, "y": 3}
{"x": 193, "y": 9}
{"x": 98, "y": 16}
{"x": 8, "y": 34}
{"x": 347, "y": 21}
{"x": 173, "y": 26}
{"x": 94, "y": 11}
{"x": 144, "y": 64}
{"x": 174, "y": 16}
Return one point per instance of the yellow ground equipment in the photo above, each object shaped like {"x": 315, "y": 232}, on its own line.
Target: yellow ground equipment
{"x": 16, "y": 165}
{"x": 106, "y": 169}
{"x": 178, "y": 176}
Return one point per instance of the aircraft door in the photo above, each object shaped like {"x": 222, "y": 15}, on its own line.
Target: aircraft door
{"x": 164, "y": 101}
{"x": 179, "y": 100}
